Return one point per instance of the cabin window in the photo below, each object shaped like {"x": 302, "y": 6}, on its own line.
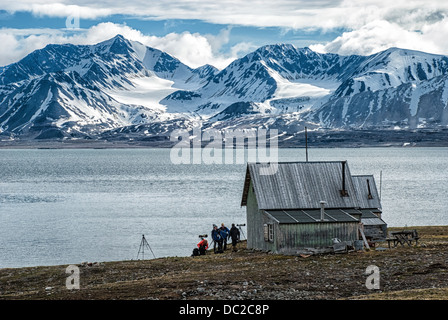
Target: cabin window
{"x": 269, "y": 232}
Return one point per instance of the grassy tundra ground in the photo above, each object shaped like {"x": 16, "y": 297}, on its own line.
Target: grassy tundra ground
{"x": 419, "y": 272}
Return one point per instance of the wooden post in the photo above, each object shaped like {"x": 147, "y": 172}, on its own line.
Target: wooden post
{"x": 364, "y": 238}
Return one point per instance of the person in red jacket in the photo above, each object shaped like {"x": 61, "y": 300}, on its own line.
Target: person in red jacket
{"x": 203, "y": 246}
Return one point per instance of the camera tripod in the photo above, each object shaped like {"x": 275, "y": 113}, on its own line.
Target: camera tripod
{"x": 144, "y": 244}
{"x": 241, "y": 229}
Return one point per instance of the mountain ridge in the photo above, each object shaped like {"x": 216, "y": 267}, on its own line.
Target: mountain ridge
{"x": 83, "y": 91}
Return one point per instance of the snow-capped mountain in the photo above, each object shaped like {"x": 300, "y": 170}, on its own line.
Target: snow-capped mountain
{"x": 121, "y": 86}
{"x": 280, "y": 76}
{"x": 88, "y": 89}
{"x": 395, "y": 87}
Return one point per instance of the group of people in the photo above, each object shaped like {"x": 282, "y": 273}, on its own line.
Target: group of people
{"x": 220, "y": 236}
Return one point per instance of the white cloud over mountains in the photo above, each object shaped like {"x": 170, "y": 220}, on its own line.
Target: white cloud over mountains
{"x": 369, "y": 25}
{"x": 380, "y": 35}
{"x": 193, "y": 49}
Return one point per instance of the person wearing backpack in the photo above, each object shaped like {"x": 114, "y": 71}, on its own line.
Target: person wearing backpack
{"x": 203, "y": 246}
{"x": 217, "y": 239}
{"x": 225, "y": 235}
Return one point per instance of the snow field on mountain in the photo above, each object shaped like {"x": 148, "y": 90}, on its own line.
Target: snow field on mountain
{"x": 147, "y": 92}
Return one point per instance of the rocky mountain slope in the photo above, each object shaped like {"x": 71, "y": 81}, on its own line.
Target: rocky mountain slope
{"x": 120, "y": 86}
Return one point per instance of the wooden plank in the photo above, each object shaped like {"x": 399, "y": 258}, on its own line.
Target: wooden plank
{"x": 364, "y": 239}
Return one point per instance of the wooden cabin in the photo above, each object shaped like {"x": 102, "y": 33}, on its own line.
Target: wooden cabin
{"x": 370, "y": 206}
{"x": 308, "y": 204}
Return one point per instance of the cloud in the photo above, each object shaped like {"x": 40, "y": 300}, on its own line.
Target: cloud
{"x": 8, "y": 41}
{"x": 297, "y": 14}
{"x": 217, "y": 41}
{"x": 21, "y": 42}
{"x": 193, "y": 49}
{"x": 62, "y": 10}
{"x": 44, "y": 8}
{"x": 380, "y": 35}
{"x": 369, "y": 25}
{"x": 242, "y": 48}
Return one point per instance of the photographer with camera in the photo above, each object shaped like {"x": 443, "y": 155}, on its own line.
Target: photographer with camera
{"x": 203, "y": 245}
{"x": 235, "y": 235}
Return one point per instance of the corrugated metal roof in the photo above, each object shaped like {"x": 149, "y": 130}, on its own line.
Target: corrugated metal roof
{"x": 366, "y": 213}
{"x": 301, "y": 185}
{"x": 310, "y": 216}
{"x": 370, "y": 218}
{"x": 361, "y": 184}
{"x": 373, "y": 221}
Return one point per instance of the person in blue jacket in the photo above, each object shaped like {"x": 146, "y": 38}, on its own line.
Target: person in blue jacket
{"x": 217, "y": 239}
{"x": 225, "y": 233}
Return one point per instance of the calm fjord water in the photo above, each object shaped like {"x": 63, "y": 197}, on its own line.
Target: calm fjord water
{"x": 68, "y": 206}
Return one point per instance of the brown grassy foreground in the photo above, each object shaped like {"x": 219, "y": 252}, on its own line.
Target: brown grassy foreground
{"x": 419, "y": 272}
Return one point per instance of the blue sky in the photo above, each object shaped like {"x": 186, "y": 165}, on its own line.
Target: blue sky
{"x": 258, "y": 35}
{"x": 199, "y": 32}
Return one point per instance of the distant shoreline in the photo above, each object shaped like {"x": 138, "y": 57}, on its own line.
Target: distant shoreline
{"x": 316, "y": 139}
{"x": 111, "y": 146}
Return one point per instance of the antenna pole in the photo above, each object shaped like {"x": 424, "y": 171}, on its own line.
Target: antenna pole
{"x": 381, "y": 181}
{"x": 306, "y": 143}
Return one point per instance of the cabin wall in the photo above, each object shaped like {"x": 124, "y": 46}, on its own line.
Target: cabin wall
{"x": 290, "y": 237}
{"x": 375, "y": 232}
{"x": 314, "y": 235}
{"x": 255, "y": 235}
{"x": 269, "y": 245}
